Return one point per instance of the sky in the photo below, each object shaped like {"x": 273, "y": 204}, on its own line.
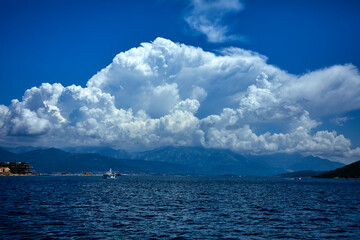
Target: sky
{"x": 254, "y": 77}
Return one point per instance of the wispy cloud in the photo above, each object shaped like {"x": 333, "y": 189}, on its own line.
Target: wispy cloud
{"x": 207, "y": 17}
{"x": 339, "y": 121}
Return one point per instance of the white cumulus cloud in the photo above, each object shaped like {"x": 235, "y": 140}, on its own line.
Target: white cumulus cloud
{"x": 164, "y": 93}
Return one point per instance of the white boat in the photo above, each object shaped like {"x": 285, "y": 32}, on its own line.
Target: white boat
{"x": 110, "y": 174}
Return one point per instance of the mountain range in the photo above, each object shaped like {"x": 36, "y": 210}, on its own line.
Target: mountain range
{"x": 348, "y": 171}
{"x": 166, "y": 160}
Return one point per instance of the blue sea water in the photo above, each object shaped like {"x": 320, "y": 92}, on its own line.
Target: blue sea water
{"x": 168, "y": 207}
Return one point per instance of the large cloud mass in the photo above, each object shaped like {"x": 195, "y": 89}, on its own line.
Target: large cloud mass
{"x": 164, "y": 93}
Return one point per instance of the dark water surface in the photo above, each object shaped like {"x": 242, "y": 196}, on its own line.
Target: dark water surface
{"x": 148, "y": 207}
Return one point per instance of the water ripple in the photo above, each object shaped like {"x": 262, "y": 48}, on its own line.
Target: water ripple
{"x": 139, "y": 207}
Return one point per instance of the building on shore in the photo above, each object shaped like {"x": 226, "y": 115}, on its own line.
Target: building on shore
{"x": 22, "y": 168}
{"x": 4, "y": 170}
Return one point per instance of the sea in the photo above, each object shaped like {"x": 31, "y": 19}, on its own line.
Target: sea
{"x": 178, "y": 207}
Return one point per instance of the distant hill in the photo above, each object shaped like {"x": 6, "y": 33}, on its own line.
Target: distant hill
{"x": 221, "y": 161}
{"x": 305, "y": 173}
{"x": 22, "y": 149}
{"x": 349, "y": 171}
{"x": 316, "y": 164}
{"x": 194, "y": 160}
{"x": 54, "y": 160}
{"x": 208, "y": 161}
{"x": 296, "y": 162}
{"x": 6, "y": 156}
{"x": 166, "y": 160}
{"x": 105, "y": 151}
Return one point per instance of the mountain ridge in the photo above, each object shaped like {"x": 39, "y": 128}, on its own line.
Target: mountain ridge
{"x": 349, "y": 171}
{"x": 168, "y": 160}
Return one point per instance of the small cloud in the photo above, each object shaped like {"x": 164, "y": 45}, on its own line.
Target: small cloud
{"x": 339, "y": 121}
{"x": 207, "y": 17}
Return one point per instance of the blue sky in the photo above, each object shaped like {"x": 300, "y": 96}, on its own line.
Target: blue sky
{"x": 68, "y": 42}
